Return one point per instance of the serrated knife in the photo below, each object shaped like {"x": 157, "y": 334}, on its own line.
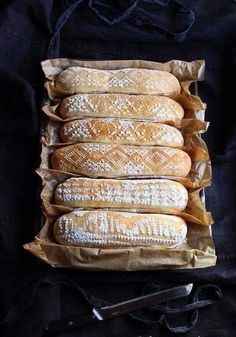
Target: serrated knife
{"x": 129, "y": 306}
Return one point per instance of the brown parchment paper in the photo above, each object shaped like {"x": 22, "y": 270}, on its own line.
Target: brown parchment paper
{"x": 198, "y": 251}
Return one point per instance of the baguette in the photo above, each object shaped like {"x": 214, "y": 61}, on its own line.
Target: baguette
{"x": 119, "y": 229}
{"x": 156, "y": 108}
{"x": 109, "y": 160}
{"x": 160, "y": 195}
{"x": 128, "y": 81}
{"x": 103, "y": 130}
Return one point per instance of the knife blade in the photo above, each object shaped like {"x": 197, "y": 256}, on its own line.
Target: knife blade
{"x": 107, "y": 312}
{"x": 142, "y": 302}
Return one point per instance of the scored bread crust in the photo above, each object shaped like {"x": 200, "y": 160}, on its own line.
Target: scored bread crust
{"x": 120, "y": 131}
{"x": 149, "y": 107}
{"x": 112, "y": 160}
{"x": 129, "y": 80}
{"x": 119, "y": 229}
{"x": 159, "y": 195}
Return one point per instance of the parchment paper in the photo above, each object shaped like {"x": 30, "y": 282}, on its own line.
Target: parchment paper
{"x": 198, "y": 251}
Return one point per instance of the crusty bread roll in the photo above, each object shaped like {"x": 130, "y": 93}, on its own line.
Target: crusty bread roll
{"x": 121, "y": 131}
{"x": 127, "y": 81}
{"x": 159, "y": 195}
{"x": 149, "y": 107}
{"x": 119, "y": 229}
{"x": 109, "y": 160}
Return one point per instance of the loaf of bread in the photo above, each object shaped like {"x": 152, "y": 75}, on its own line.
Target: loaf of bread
{"x": 121, "y": 131}
{"x": 155, "y": 108}
{"x": 111, "y": 160}
{"x": 159, "y": 195}
{"x": 127, "y": 81}
{"x": 119, "y": 229}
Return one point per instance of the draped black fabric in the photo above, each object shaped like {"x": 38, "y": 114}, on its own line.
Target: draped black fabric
{"x": 109, "y": 30}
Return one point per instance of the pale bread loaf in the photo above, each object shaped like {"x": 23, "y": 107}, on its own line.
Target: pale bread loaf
{"x": 155, "y": 108}
{"x": 159, "y": 195}
{"x": 119, "y": 229}
{"x": 120, "y": 131}
{"x": 127, "y": 81}
{"x": 109, "y": 160}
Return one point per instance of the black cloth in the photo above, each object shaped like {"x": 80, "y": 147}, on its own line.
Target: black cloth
{"x": 26, "y": 29}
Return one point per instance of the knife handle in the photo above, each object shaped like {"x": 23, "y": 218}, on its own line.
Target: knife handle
{"x": 69, "y": 323}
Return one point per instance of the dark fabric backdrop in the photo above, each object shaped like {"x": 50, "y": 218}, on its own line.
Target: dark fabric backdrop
{"x": 26, "y": 28}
